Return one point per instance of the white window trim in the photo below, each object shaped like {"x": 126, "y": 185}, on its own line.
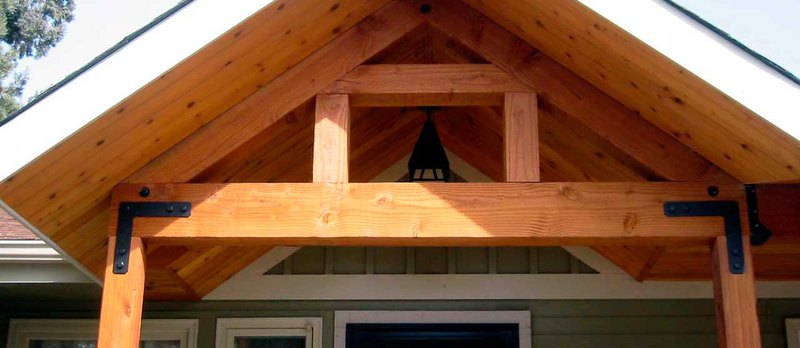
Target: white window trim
{"x": 793, "y": 332}
{"x": 21, "y": 331}
{"x": 342, "y": 318}
{"x": 228, "y": 328}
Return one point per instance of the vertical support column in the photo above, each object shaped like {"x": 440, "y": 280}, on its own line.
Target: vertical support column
{"x": 735, "y": 299}
{"x": 123, "y": 294}
{"x": 521, "y": 137}
{"x": 331, "y": 138}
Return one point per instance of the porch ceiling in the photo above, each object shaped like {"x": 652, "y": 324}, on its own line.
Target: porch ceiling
{"x": 241, "y": 110}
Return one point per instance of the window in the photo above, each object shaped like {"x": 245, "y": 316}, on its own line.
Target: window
{"x": 793, "y": 332}
{"x": 387, "y": 329}
{"x": 71, "y": 333}
{"x": 269, "y": 333}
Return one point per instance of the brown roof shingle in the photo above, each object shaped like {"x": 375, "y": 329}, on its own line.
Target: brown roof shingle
{"x": 11, "y": 229}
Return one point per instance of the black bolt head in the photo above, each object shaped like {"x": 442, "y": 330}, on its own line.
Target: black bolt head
{"x": 713, "y": 191}
{"x": 184, "y": 209}
{"x": 736, "y": 252}
{"x": 671, "y": 208}
{"x": 144, "y": 192}
{"x": 120, "y": 264}
{"x": 170, "y": 209}
{"x": 685, "y": 208}
{"x": 737, "y": 265}
{"x": 122, "y": 251}
{"x": 425, "y": 8}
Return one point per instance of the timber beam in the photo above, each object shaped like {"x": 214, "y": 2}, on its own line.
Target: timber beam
{"x": 385, "y": 85}
{"x": 390, "y": 214}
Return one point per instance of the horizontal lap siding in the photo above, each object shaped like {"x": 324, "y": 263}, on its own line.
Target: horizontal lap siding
{"x": 433, "y": 260}
{"x": 574, "y": 324}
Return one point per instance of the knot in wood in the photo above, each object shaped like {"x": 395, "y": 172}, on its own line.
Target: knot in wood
{"x": 385, "y": 201}
{"x": 570, "y": 193}
{"x": 327, "y": 217}
{"x": 630, "y": 222}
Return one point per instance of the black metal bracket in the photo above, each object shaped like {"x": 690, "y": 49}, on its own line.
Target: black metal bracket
{"x": 130, "y": 210}
{"x": 759, "y": 234}
{"x": 729, "y": 211}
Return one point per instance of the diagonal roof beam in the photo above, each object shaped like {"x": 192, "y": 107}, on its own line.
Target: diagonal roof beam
{"x": 672, "y": 98}
{"x": 281, "y": 96}
{"x": 663, "y": 155}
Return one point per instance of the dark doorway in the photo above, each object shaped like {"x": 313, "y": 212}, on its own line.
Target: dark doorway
{"x": 432, "y": 335}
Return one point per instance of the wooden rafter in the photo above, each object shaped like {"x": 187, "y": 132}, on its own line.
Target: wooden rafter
{"x": 669, "y": 96}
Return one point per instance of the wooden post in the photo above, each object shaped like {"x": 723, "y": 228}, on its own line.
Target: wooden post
{"x": 735, "y": 299}
{"x": 521, "y": 137}
{"x": 331, "y": 138}
{"x": 121, "y": 313}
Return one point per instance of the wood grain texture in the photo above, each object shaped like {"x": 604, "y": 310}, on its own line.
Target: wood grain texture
{"x": 123, "y": 296}
{"x": 332, "y": 138}
{"x": 188, "y": 160}
{"x": 521, "y": 137}
{"x": 426, "y": 85}
{"x": 655, "y": 149}
{"x": 284, "y": 94}
{"x": 429, "y": 214}
{"x": 74, "y": 175}
{"x": 680, "y": 103}
{"x": 735, "y": 299}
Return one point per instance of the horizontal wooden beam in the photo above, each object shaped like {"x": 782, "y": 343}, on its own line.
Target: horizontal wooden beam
{"x": 426, "y": 85}
{"x": 385, "y": 214}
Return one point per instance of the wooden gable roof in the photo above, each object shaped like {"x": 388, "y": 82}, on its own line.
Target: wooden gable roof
{"x": 241, "y": 110}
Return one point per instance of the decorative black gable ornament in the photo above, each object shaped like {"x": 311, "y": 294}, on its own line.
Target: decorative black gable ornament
{"x": 428, "y": 161}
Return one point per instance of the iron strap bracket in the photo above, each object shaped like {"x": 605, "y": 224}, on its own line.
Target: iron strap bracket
{"x": 729, "y": 211}
{"x": 759, "y": 234}
{"x": 130, "y": 210}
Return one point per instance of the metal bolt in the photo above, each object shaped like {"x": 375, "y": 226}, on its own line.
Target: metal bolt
{"x": 122, "y": 251}
{"x": 425, "y": 8}
{"x": 671, "y": 208}
{"x": 170, "y": 209}
{"x": 120, "y": 264}
{"x": 685, "y": 208}
{"x": 126, "y": 208}
{"x": 737, "y": 265}
{"x": 144, "y": 192}
{"x": 713, "y": 191}
{"x": 736, "y": 252}
{"x": 184, "y": 209}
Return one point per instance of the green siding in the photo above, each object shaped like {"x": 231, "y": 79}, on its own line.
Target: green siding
{"x": 431, "y": 260}
{"x": 579, "y": 323}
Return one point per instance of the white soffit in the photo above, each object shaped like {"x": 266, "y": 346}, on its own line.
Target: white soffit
{"x": 709, "y": 56}
{"x": 86, "y": 97}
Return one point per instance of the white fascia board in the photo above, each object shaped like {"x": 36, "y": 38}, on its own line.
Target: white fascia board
{"x": 27, "y": 250}
{"x": 709, "y": 56}
{"x": 95, "y": 91}
{"x": 594, "y": 260}
{"x": 40, "y": 272}
{"x": 476, "y": 287}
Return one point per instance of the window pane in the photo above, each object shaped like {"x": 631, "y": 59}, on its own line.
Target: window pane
{"x": 270, "y": 342}
{"x": 62, "y": 344}
{"x": 161, "y": 344}
{"x": 93, "y": 344}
